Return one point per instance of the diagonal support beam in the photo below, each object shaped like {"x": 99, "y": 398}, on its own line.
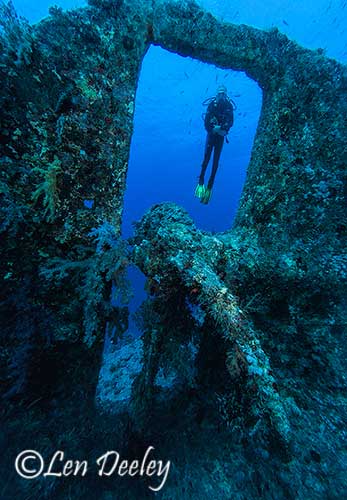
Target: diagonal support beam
{"x": 167, "y": 244}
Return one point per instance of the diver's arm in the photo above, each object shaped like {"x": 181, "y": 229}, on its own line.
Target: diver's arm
{"x": 208, "y": 124}
{"x": 217, "y": 129}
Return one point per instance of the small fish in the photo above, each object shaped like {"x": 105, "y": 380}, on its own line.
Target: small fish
{"x": 186, "y": 74}
{"x": 285, "y": 22}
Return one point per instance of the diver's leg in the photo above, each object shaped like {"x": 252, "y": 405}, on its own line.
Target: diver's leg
{"x": 218, "y": 145}
{"x": 207, "y": 156}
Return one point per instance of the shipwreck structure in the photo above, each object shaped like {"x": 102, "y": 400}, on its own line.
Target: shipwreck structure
{"x": 239, "y": 377}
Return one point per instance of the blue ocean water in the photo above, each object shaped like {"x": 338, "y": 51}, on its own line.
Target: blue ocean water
{"x": 168, "y": 141}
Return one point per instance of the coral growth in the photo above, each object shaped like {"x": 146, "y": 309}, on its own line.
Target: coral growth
{"x": 48, "y": 188}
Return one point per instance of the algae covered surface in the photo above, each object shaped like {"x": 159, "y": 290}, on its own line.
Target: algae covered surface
{"x": 238, "y": 377}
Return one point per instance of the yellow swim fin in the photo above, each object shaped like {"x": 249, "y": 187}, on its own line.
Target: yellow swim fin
{"x": 200, "y": 191}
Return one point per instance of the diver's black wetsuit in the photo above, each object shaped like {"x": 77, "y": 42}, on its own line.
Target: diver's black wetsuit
{"x": 218, "y": 113}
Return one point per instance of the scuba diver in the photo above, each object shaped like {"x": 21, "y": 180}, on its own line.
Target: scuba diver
{"x": 218, "y": 119}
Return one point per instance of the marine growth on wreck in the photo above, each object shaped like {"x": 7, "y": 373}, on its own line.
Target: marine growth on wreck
{"x": 236, "y": 387}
